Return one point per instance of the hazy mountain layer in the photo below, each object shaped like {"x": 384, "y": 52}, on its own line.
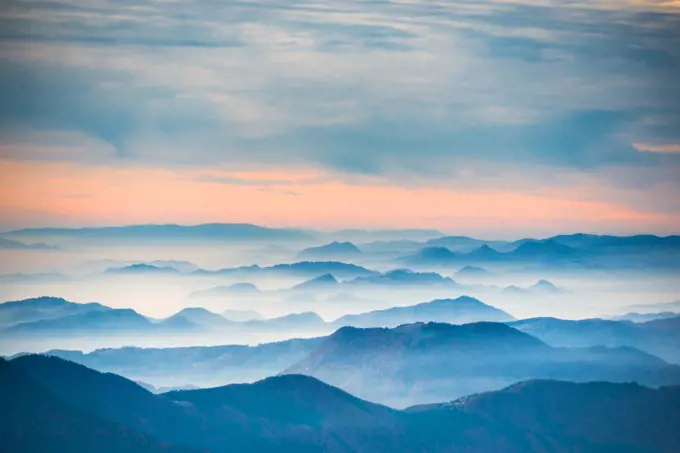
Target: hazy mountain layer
{"x": 417, "y": 363}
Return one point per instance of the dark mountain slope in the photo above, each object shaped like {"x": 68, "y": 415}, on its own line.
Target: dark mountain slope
{"x": 33, "y": 419}
{"x": 57, "y": 406}
{"x": 627, "y": 415}
{"x": 110, "y": 396}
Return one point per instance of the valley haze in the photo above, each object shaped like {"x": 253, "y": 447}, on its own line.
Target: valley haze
{"x": 340, "y": 226}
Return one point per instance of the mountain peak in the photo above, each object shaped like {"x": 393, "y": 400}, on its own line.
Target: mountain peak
{"x": 544, "y": 285}
{"x": 484, "y": 251}
{"x": 472, "y": 271}
{"x": 404, "y": 277}
{"x": 141, "y": 268}
{"x": 333, "y": 249}
{"x": 322, "y": 281}
{"x": 197, "y": 316}
{"x": 548, "y": 247}
{"x": 461, "y": 310}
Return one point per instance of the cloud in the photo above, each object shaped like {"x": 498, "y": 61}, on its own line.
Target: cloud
{"x": 667, "y": 148}
{"x": 406, "y": 91}
{"x": 51, "y": 145}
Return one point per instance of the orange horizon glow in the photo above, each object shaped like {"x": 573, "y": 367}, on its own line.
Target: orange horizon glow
{"x": 73, "y": 194}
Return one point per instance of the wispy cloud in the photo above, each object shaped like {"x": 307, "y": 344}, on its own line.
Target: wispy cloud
{"x": 400, "y": 90}
{"x": 667, "y": 148}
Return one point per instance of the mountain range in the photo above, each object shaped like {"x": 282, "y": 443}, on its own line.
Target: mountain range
{"x": 590, "y": 251}
{"x": 141, "y": 269}
{"x": 333, "y": 251}
{"x": 422, "y": 362}
{"x": 54, "y": 406}
{"x": 8, "y": 244}
{"x": 48, "y": 316}
{"x": 463, "y": 243}
{"x": 403, "y": 277}
{"x": 473, "y": 272}
{"x": 159, "y": 233}
{"x": 540, "y": 251}
{"x": 43, "y": 308}
{"x": 308, "y": 269}
{"x": 660, "y": 337}
{"x": 459, "y": 311}
{"x": 541, "y": 287}
{"x": 203, "y": 366}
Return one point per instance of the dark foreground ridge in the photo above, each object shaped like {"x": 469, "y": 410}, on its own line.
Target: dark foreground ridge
{"x": 52, "y": 405}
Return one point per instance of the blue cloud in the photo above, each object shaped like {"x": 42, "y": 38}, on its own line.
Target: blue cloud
{"x": 365, "y": 87}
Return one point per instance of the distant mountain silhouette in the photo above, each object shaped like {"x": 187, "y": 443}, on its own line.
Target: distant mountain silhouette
{"x": 325, "y": 282}
{"x": 314, "y": 268}
{"x": 601, "y": 242}
{"x": 201, "y": 317}
{"x": 204, "y": 232}
{"x": 43, "y": 308}
{"x": 100, "y": 322}
{"x": 185, "y": 267}
{"x": 472, "y": 272}
{"x": 241, "y": 315}
{"x": 231, "y": 290}
{"x": 43, "y": 277}
{"x": 141, "y": 269}
{"x": 204, "y": 366}
{"x": 648, "y": 336}
{"x": 431, "y": 256}
{"x": 67, "y": 407}
{"x": 545, "y": 286}
{"x": 581, "y": 251}
{"x": 461, "y": 310}
{"x": 442, "y": 256}
{"x": 515, "y": 290}
{"x": 7, "y": 244}
{"x": 176, "y": 325}
{"x": 429, "y": 362}
{"x": 541, "y": 287}
{"x": 293, "y": 321}
{"x": 548, "y": 249}
{"x": 663, "y": 306}
{"x": 460, "y": 243}
{"x": 644, "y": 317}
{"x": 308, "y": 269}
{"x": 484, "y": 253}
{"x": 333, "y": 251}
{"x": 402, "y": 277}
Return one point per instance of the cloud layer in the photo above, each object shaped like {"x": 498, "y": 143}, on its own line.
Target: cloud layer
{"x": 521, "y": 96}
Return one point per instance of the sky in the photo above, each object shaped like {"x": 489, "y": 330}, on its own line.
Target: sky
{"x": 496, "y": 117}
